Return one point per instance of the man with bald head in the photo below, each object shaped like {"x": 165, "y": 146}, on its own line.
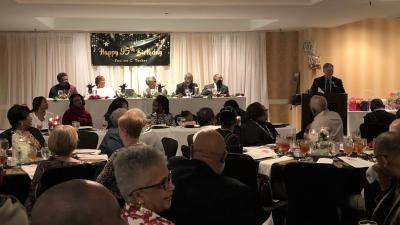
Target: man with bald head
{"x": 202, "y": 195}
{"x": 323, "y": 117}
{"x": 218, "y": 86}
{"x": 77, "y": 202}
{"x": 395, "y": 126}
{"x": 387, "y": 153}
{"x": 186, "y": 84}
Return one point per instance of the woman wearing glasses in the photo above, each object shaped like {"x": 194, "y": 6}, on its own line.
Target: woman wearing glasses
{"x": 145, "y": 183}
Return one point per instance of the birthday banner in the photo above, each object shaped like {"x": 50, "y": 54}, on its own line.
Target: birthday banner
{"x": 130, "y": 49}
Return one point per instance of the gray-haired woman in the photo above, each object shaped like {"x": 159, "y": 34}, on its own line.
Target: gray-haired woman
{"x": 145, "y": 184}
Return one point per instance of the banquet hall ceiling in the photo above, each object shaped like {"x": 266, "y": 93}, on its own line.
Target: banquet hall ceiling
{"x": 188, "y": 15}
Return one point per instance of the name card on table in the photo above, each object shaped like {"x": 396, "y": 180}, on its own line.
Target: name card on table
{"x": 356, "y": 162}
{"x": 259, "y": 152}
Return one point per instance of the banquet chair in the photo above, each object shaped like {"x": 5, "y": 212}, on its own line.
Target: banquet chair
{"x": 87, "y": 140}
{"x": 372, "y": 130}
{"x": 16, "y": 185}
{"x": 190, "y": 139}
{"x": 170, "y": 146}
{"x": 313, "y": 192}
{"x": 185, "y": 151}
{"x": 243, "y": 168}
{"x": 55, "y": 176}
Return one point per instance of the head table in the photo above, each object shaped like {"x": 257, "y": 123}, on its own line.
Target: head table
{"x": 97, "y": 108}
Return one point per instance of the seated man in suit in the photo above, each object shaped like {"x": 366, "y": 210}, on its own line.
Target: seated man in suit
{"x": 63, "y": 85}
{"x": 325, "y": 118}
{"x": 328, "y": 83}
{"x": 202, "y": 195}
{"x": 217, "y": 85}
{"x": 379, "y": 114}
{"x": 387, "y": 153}
{"x": 256, "y": 130}
{"x": 377, "y": 121}
{"x": 186, "y": 84}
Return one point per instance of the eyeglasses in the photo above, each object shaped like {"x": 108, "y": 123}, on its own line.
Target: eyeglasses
{"x": 164, "y": 184}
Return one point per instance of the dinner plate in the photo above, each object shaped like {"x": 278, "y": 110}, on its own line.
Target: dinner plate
{"x": 87, "y": 151}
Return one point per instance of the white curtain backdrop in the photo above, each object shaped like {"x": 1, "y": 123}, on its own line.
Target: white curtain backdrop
{"x": 29, "y": 62}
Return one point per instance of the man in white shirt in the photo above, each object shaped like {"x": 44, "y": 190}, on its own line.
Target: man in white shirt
{"x": 326, "y": 118}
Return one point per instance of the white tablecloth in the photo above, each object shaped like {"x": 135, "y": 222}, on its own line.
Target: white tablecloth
{"x": 153, "y": 137}
{"x": 356, "y": 118}
{"x": 97, "y": 108}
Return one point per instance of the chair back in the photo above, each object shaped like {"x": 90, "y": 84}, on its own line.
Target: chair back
{"x": 372, "y": 130}
{"x": 313, "y": 191}
{"x": 185, "y": 151}
{"x": 243, "y": 168}
{"x": 87, "y": 140}
{"x": 55, "y": 176}
{"x": 170, "y": 146}
{"x": 190, "y": 139}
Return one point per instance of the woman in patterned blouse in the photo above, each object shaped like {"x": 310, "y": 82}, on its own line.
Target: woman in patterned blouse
{"x": 145, "y": 183}
{"x": 161, "y": 113}
{"x": 62, "y": 142}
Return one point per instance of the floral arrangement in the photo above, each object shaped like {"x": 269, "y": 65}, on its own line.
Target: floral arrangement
{"x": 355, "y": 104}
{"x": 90, "y": 87}
{"x": 53, "y": 122}
{"x": 94, "y": 97}
{"x": 393, "y": 102}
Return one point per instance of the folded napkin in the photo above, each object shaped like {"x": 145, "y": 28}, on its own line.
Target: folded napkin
{"x": 356, "y": 162}
{"x": 29, "y": 169}
{"x": 87, "y": 151}
{"x": 265, "y": 166}
{"x": 325, "y": 160}
{"x": 92, "y": 157}
{"x": 259, "y": 152}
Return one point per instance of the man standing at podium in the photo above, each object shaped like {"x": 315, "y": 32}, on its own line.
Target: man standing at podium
{"x": 328, "y": 83}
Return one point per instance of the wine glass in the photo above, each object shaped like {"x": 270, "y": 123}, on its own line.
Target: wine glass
{"x": 304, "y": 146}
{"x": 45, "y": 152}
{"x": 60, "y": 93}
{"x": 348, "y": 146}
{"x": 282, "y": 144}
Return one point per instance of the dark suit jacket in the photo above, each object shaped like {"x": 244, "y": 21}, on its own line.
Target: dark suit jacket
{"x": 180, "y": 88}
{"x": 387, "y": 212}
{"x": 69, "y": 87}
{"x": 206, "y": 91}
{"x": 336, "y": 85}
{"x": 7, "y": 134}
{"x": 251, "y": 134}
{"x": 379, "y": 116}
{"x": 203, "y": 197}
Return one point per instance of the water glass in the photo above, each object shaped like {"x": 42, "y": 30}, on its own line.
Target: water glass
{"x": 187, "y": 92}
{"x": 45, "y": 152}
{"x": 76, "y": 124}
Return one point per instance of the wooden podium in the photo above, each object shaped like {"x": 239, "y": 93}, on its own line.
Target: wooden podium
{"x": 336, "y": 102}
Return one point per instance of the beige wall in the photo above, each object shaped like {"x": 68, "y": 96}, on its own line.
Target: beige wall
{"x": 282, "y": 62}
{"x": 365, "y": 54}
